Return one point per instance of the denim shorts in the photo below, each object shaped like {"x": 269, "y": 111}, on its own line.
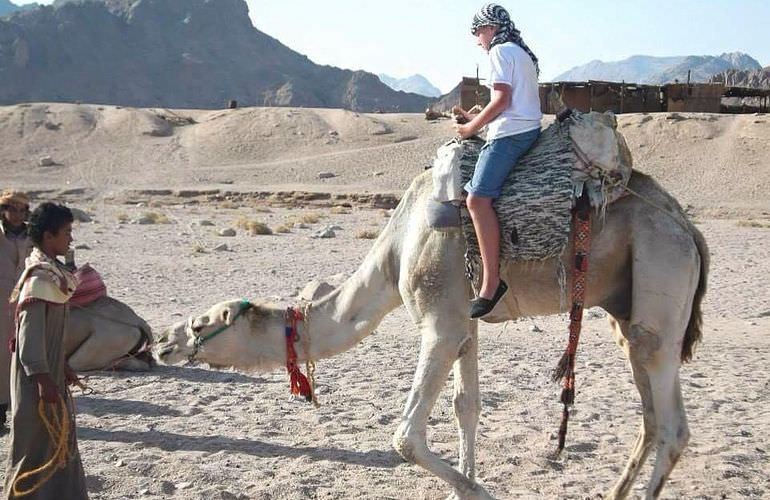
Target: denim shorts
{"x": 496, "y": 160}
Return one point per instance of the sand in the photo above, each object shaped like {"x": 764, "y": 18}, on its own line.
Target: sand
{"x": 196, "y": 432}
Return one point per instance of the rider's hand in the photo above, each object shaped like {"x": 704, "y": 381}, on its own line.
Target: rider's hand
{"x": 464, "y": 131}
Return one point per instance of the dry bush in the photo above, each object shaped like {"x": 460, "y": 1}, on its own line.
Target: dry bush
{"x": 157, "y": 218}
{"x": 198, "y": 248}
{"x": 310, "y": 218}
{"x": 229, "y": 205}
{"x": 123, "y": 217}
{"x": 367, "y": 234}
{"x": 253, "y": 226}
{"x": 754, "y": 223}
{"x": 262, "y": 210}
{"x": 283, "y": 228}
{"x": 339, "y": 210}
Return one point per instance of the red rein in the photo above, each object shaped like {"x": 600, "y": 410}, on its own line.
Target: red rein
{"x": 299, "y": 384}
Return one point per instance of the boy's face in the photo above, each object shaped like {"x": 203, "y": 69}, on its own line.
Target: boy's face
{"x": 14, "y": 214}
{"x": 484, "y": 36}
{"x": 59, "y": 243}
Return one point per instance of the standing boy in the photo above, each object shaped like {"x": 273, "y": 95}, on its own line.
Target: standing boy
{"x": 39, "y": 367}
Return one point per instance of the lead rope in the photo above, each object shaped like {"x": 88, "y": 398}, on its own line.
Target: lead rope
{"x": 59, "y": 430}
{"x": 581, "y": 246}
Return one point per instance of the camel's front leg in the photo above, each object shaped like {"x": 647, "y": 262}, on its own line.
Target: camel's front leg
{"x": 441, "y": 344}
{"x": 467, "y": 401}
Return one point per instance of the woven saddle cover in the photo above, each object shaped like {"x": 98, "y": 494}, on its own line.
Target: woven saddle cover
{"x": 582, "y": 153}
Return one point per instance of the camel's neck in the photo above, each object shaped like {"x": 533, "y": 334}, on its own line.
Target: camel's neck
{"x": 352, "y": 311}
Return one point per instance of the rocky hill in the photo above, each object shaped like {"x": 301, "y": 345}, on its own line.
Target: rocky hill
{"x": 171, "y": 53}
{"x": 660, "y": 70}
{"x": 759, "y": 79}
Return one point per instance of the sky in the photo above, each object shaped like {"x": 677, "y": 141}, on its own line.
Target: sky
{"x": 432, "y": 37}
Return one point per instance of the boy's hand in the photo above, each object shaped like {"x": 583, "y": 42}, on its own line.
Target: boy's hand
{"x": 464, "y": 131}
{"x": 47, "y": 388}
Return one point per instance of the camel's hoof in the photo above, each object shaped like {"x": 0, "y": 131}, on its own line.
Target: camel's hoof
{"x": 478, "y": 493}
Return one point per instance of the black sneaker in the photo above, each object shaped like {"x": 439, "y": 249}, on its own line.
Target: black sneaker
{"x": 481, "y": 306}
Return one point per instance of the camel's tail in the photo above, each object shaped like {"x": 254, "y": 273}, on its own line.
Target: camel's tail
{"x": 694, "y": 330}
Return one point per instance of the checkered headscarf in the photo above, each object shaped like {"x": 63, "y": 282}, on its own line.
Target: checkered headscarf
{"x": 493, "y": 14}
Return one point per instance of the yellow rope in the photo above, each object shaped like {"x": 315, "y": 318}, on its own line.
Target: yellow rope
{"x": 58, "y": 428}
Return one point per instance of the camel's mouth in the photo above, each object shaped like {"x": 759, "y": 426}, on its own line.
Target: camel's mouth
{"x": 165, "y": 351}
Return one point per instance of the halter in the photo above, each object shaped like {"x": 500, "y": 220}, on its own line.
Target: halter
{"x": 243, "y": 306}
{"x": 299, "y": 383}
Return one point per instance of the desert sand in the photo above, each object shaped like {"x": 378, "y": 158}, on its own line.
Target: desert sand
{"x": 195, "y": 432}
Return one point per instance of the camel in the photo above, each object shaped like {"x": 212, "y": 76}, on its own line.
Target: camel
{"x": 648, "y": 270}
{"x": 106, "y": 334}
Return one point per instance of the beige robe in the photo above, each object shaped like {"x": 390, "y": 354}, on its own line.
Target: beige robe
{"x": 13, "y": 251}
{"x": 40, "y": 349}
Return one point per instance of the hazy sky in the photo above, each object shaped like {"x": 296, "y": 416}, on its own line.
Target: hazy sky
{"x": 431, "y": 37}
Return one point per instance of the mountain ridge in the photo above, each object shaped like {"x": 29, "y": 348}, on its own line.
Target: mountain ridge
{"x": 659, "y": 70}
{"x": 416, "y": 84}
{"x": 172, "y": 53}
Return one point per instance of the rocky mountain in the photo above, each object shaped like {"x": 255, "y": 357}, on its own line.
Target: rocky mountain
{"x": 758, "y": 79}
{"x": 416, "y": 84}
{"x": 660, "y": 70}
{"x": 171, "y": 53}
{"x": 6, "y": 7}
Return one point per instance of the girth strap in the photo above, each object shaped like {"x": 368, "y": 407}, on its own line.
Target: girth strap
{"x": 581, "y": 247}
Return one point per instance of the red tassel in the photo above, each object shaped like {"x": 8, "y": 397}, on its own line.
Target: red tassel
{"x": 297, "y": 381}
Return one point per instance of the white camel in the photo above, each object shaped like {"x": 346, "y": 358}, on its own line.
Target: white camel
{"x": 107, "y": 334}
{"x": 648, "y": 271}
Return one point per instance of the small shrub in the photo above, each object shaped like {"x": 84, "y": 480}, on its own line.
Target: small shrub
{"x": 367, "y": 234}
{"x": 310, "y": 218}
{"x": 123, "y": 217}
{"x": 198, "y": 248}
{"x": 229, "y": 204}
{"x": 157, "y": 218}
{"x": 253, "y": 226}
{"x": 339, "y": 210}
{"x": 754, "y": 223}
{"x": 283, "y": 228}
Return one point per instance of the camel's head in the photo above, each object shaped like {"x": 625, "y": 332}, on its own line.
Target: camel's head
{"x": 231, "y": 333}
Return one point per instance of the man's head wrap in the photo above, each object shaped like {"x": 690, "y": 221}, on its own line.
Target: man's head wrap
{"x": 493, "y": 14}
{"x": 10, "y": 197}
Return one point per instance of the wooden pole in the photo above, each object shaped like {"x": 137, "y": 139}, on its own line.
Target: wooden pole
{"x": 622, "y": 95}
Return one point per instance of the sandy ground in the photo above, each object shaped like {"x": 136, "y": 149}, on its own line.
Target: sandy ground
{"x": 195, "y": 432}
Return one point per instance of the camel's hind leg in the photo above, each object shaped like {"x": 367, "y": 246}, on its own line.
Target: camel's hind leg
{"x": 665, "y": 276}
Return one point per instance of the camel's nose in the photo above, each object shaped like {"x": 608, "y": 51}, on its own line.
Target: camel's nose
{"x": 198, "y": 324}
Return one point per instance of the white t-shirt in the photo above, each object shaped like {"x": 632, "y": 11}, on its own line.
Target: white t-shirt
{"x": 511, "y": 65}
